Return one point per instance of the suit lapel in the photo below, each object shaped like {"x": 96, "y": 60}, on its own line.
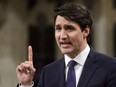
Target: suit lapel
{"x": 88, "y": 70}
{"x": 61, "y": 74}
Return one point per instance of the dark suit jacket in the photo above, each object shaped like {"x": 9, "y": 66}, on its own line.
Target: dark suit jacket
{"x": 99, "y": 71}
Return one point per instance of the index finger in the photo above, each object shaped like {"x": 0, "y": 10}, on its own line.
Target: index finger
{"x": 30, "y": 54}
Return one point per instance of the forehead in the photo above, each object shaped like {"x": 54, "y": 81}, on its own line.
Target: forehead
{"x": 60, "y": 20}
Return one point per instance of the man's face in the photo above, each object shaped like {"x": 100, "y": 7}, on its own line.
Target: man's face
{"x": 69, "y": 37}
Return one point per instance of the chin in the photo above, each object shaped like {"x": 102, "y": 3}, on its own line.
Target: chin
{"x": 66, "y": 51}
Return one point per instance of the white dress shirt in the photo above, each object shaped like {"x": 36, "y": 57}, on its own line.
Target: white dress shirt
{"x": 26, "y": 86}
{"x": 80, "y": 59}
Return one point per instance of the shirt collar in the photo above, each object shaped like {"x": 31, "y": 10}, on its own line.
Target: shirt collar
{"x": 80, "y": 58}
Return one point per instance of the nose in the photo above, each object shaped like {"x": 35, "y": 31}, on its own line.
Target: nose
{"x": 63, "y": 35}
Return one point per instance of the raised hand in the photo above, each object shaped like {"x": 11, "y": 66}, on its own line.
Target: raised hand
{"x": 25, "y": 71}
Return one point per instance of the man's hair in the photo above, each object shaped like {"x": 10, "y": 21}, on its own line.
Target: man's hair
{"x": 77, "y": 13}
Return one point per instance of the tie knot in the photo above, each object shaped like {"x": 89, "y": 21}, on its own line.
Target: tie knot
{"x": 72, "y": 63}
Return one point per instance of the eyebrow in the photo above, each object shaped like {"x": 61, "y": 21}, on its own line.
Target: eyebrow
{"x": 68, "y": 25}
{"x": 64, "y": 25}
{"x": 58, "y": 25}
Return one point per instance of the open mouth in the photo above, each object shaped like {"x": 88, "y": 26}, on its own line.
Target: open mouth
{"x": 65, "y": 44}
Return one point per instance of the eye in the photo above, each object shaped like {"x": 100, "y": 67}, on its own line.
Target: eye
{"x": 69, "y": 28}
{"x": 57, "y": 28}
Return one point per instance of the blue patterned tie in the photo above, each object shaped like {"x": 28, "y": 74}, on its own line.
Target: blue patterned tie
{"x": 71, "y": 78}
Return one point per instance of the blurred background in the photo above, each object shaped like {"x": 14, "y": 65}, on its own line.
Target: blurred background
{"x": 30, "y": 22}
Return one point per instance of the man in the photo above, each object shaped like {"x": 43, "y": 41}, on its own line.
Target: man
{"x": 72, "y": 29}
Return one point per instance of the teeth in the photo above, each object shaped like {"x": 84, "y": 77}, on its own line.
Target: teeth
{"x": 64, "y": 43}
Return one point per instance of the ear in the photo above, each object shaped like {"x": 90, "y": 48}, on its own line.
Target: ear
{"x": 86, "y": 32}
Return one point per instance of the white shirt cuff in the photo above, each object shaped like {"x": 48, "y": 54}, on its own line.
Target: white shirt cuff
{"x": 20, "y": 85}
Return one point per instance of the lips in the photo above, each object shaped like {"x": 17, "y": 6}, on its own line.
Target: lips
{"x": 65, "y": 44}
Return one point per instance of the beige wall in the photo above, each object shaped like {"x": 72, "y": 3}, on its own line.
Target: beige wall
{"x": 104, "y": 20}
{"x": 13, "y": 41}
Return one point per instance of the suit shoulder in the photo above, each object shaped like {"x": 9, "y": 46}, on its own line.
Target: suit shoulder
{"x": 55, "y": 64}
{"x": 106, "y": 58}
{"x": 106, "y": 62}
{"x": 102, "y": 60}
